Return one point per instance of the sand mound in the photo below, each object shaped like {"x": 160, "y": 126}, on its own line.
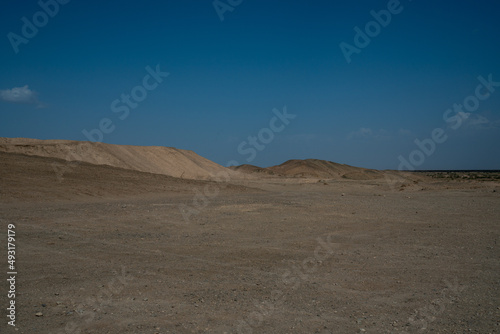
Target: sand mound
{"x": 251, "y": 169}
{"x": 324, "y": 169}
{"x": 152, "y": 159}
{"x": 32, "y": 178}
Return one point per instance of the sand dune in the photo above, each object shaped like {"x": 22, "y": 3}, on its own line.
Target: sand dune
{"x": 176, "y": 162}
{"x": 251, "y": 169}
{"x": 314, "y": 168}
{"x": 152, "y": 159}
{"x": 32, "y": 178}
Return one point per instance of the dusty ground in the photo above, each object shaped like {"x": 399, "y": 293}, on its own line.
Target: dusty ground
{"x": 108, "y": 251}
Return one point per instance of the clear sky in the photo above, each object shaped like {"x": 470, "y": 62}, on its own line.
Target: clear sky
{"x": 358, "y": 98}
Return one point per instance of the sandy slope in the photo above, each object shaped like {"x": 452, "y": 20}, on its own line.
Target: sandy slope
{"x": 314, "y": 168}
{"x": 33, "y": 179}
{"x": 152, "y": 159}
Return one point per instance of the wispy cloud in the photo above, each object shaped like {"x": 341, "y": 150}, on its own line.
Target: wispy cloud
{"x": 405, "y": 132}
{"x": 361, "y": 133}
{"x": 367, "y": 133}
{"x": 307, "y": 138}
{"x": 478, "y": 122}
{"x": 20, "y": 95}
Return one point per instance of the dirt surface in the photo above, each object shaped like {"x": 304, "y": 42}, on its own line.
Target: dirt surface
{"x": 108, "y": 250}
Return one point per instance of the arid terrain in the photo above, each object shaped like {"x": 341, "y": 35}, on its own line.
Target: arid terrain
{"x": 124, "y": 239}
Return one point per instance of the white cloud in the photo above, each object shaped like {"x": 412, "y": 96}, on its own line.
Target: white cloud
{"x": 19, "y": 95}
{"x": 478, "y": 122}
{"x": 367, "y": 133}
{"x": 307, "y": 138}
{"x": 405, "y": 132}
{"x": 361, "y": 133}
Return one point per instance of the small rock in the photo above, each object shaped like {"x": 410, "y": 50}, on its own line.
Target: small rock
{"x": 39, "y": 314}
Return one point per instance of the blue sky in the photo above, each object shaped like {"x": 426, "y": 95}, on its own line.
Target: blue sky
{"x": 226, "y": 77}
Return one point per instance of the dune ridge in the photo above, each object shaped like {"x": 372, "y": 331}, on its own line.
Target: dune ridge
{"x": 313, "y": 168}
{"x": 152, "y": 159}
{"x": 184, "y": 164}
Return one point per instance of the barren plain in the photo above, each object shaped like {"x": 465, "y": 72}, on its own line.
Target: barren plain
{"x": 104, "y": 249}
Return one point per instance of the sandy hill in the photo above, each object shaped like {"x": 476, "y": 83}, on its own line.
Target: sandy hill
{"x": 251, "y": 169}
{"x": 32, "y": 178}
{"x": 324, "y": 169}
{"x": 152, "y": 159}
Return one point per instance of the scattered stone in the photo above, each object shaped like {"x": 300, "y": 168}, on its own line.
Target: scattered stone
{"x": 39, "y": 314}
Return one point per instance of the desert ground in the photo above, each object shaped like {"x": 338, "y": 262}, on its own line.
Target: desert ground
{"x": 304, "y": 247}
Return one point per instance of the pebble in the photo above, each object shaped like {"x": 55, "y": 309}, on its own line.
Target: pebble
{"x": 39, "y": 314}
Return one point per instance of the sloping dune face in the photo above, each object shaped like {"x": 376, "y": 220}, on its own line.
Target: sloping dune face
{"x": 324, "y": 169}
{"x": 251, "y": 169}
{"x": 152, "y": 159}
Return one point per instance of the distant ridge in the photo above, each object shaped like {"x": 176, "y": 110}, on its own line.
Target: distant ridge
{"x": 251, "y": 169}
{"x": 314, "y": 168}
{"x": 176, "y": 162}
